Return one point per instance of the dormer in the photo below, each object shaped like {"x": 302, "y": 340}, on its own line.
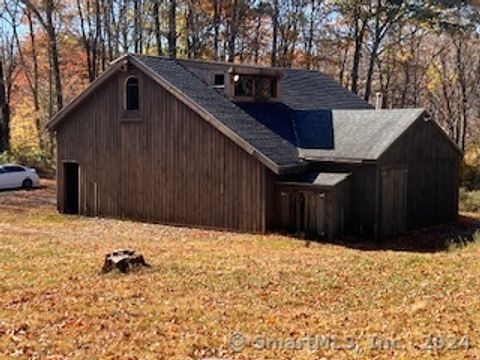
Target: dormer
{"x": 239, "y": 83}
{"x": 253, "y": 84}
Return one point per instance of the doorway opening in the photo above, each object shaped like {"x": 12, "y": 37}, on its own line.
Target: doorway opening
{"x": 71, "y": 187}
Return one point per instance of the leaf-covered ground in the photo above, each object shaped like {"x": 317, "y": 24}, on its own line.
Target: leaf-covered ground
{"x": 285, "y": 295}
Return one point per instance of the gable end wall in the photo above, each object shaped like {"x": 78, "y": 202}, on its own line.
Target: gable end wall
{"x": 167, "y": 166}
{"x": 433, "y": 174}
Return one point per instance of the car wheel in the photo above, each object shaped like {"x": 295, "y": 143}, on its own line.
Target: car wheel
{"x": 27, "y": 184}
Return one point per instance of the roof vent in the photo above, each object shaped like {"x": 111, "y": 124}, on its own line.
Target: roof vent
{"x": 379, "y": 101}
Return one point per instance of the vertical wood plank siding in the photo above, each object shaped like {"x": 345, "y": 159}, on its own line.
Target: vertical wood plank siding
{"x": 169, "y": 166}
{"x": 433, "y": 174}
{"x": 432, "y": 183}
{"x": 362, "y": 195}
{"x": 312, "y": 209}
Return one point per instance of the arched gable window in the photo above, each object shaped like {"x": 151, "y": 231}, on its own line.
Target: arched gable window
{"x": 132, "y": 94}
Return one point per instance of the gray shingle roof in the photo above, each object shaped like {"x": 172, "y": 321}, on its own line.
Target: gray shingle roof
{"x": 316, "y": 178}
{"x": 312, "y": 90}
{"x": 302, "y": 125}
{"x": 330, "y": 179}
{"x": 359, "y": 134}
{"x": 263, "y": 139}
{"x": 363, "y": 134}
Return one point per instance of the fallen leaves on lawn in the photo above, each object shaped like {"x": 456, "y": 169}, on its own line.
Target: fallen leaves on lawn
{"x": 205, "y": 285}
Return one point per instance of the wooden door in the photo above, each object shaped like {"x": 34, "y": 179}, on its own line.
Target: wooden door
{"x": 393, "y": 214}
{"x": 302, "y": 211}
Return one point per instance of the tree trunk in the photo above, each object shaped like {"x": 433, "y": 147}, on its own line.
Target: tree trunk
{"x": 216, "y": 27}
{"x": 256, "y": 50}
{"x": 233, "y": 31}
{"x": 371, "y": 67}
{"x": 463, "y": 106}
{"x": 35, "y": 82}
{"x": 136, "y": 26}
{"x": 108, "y": 23}
{"x": 31, "y": 75}
{"x": 310, "y": 34}
{"x": 189, "y": 29}
{"x": 172, "y": 35}
{"x": 343, "y": 62}
{"x": 86, "y": 43}
{"x": 275, "y": 14}
{"x": 358, "y": 35}
{"x": 124, "y": 25}
{"x": 158, "y": 35}
{"x": 49, "y": 27}
{"x": 4, "y": 114}
{"x": 55, "y": 59}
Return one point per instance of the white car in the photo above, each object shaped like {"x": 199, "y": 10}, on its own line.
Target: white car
{"x": 14, "y": 176}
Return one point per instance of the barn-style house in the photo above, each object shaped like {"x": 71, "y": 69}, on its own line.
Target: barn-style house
{"x": 253, "y": 149}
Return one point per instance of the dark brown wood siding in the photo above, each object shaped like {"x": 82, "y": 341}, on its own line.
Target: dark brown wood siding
{"x": 393, "y": 201}
{"x": 315, "y": 210}
{"x": 432, "y": 164}
{"x": 433, "y": 174}
{"x": 164, "y": 164}
{"x": 363, "y": 194}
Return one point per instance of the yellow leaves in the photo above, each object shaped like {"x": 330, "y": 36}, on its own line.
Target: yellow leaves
{"x": 24, "y": 135}
{"x": 434, "y": 77}
{"x": 472, "y": 155}
{"x": 437, "y": 75}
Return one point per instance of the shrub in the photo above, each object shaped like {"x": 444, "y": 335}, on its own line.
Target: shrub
{"x": 40, "y": 160}
{"x": 470, "y": 170}
{"x": 470, "y": 176}
{"x": 469, "y": 200}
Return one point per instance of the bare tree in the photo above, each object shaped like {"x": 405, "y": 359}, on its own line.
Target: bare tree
{"x": 90, "y": 27}
{"x": 29, "y": 67}
{"x": 46, "y": 20}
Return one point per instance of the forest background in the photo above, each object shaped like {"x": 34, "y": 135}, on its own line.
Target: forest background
{"x": 416, "y": 53}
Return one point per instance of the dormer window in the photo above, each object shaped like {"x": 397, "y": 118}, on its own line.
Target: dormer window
{"x": 266, "y": 87}
{"x": 243, "y": 85}
{"x": 219, "y": 80}
{"x": 255, "y": 86}
{"x": 132, "y": 94}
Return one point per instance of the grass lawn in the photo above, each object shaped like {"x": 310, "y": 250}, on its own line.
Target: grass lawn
{"x": 204, "y": 286}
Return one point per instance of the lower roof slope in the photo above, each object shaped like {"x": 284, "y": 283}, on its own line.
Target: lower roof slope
{"x": 325, "y": 135}
{"x": 316, "y": 178}
{"x": 351, "y": 134}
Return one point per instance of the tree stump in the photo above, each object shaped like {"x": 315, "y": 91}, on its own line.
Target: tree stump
{"x": 124, "y": 260}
